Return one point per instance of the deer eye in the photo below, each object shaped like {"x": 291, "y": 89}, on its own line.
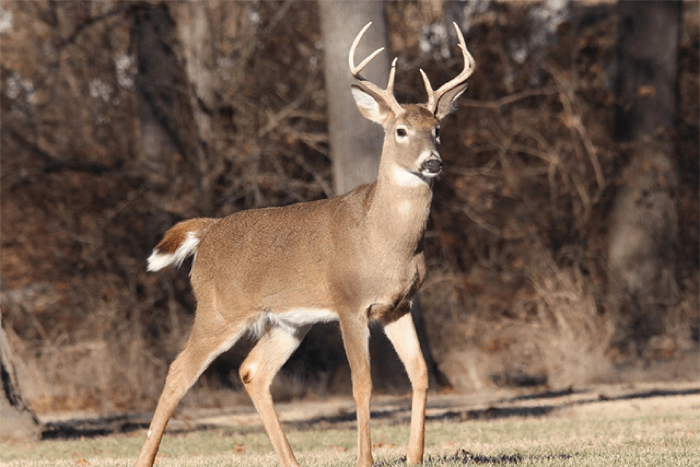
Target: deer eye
{"x": 401, "y": 132}
{"x": 437, "y": 134}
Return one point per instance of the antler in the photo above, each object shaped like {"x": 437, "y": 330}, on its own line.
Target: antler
{"x": 469, "y": 66}
{"x": 388, "y": 93}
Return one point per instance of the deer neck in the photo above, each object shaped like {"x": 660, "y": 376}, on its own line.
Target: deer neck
{"x": 398, "y": 213}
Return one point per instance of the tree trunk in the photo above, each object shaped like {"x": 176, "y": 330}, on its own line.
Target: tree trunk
{"x": 18, "y": 421}
{"x": 643, "y": 225}
{"x": 356, "y": 143}
{"x": 172, "y": 80}
{"x": 647, "y": 68}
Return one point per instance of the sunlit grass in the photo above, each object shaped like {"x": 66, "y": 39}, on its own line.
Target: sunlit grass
{"x": 669, "y": 437}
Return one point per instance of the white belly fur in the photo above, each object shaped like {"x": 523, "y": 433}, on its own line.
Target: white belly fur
{"x": 290, "y": 321}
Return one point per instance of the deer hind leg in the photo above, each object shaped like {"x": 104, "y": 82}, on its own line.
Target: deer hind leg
{"x": 402, "y": 334}
{"x": 355, "y": 332}
{"x": 257, "y": 372}
{"x": 202, "y": 348}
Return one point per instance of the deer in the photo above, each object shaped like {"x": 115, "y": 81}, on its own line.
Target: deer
{"x": 357, "y": 258}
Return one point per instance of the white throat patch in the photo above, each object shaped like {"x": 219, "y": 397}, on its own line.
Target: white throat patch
{"x": 405, "y": 177}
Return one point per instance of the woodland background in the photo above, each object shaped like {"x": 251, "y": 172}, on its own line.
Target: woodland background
{"x": 121, "y": 118}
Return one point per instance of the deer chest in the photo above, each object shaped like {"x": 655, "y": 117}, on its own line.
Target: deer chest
{"x": 395, "y": 289}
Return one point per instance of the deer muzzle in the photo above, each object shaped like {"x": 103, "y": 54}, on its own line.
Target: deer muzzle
{"x": 432, "y": 167}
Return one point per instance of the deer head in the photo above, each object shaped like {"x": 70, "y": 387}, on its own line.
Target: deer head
{"x": 411, "y": 130}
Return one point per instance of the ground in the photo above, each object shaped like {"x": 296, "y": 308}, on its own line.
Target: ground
{"x": 339, "y": 412}
{"x": 632, "y": 424}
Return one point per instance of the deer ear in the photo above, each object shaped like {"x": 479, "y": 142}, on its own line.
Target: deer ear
{"x": 446, "y": 103}
{"x": 371, "y": 105}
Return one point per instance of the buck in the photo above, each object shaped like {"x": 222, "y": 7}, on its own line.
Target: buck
{"x": 355, "y": 259}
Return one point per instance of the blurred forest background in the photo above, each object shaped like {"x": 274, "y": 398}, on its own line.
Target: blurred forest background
{"x": 121, "y": 118}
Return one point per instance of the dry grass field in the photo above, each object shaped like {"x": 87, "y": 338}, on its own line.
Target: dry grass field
{"x": 612, "y": 425}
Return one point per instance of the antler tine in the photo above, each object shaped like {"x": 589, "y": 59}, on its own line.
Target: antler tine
{"x": 355, "y": 70}
{"x": 469, "y": 67}
{"x": 388, "y": 93}
{"x": 429, "y": 90}
{"x": 392, "y": 75}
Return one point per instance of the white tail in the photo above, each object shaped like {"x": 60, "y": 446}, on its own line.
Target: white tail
{"x": 180, "y": 242}
{"x": 354, "y": 258}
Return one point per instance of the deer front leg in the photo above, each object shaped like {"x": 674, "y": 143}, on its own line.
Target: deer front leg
{"x": 402, "y": 334}
{"x": 355, "y": 333}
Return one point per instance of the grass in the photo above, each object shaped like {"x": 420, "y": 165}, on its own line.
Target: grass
{"x": 642, "y": 432}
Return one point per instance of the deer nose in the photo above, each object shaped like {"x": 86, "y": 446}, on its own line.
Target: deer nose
{"x": 432, "y": 165}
